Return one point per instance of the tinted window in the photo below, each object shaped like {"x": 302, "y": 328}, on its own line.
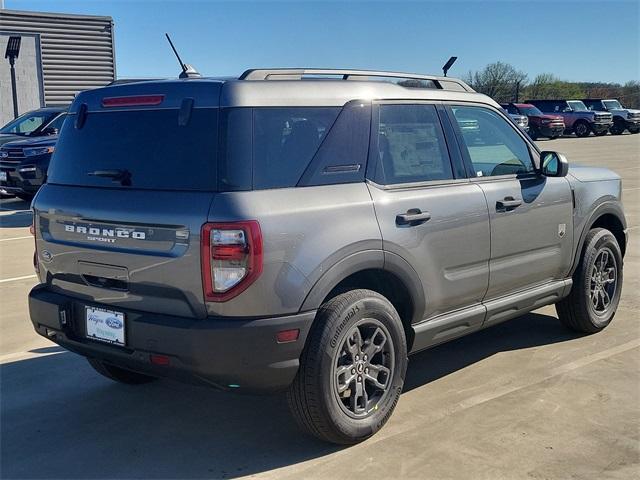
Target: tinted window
{"x": 284, "y": 142}
{"x": 410, "y": 145}
{"x": 493, "y": 146}
{"x": 149, "y": 144}
{"x": 343, "y": 154}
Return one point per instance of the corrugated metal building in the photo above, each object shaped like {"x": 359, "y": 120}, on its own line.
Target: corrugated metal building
{"x": 68, "y": 53}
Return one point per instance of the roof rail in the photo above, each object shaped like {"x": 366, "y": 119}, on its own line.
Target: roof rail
{"x": 444, "y": 83}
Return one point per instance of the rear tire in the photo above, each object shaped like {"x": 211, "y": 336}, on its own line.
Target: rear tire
{"x": 581, "y": 129}
{"x": 597, "y": 284}
{"x": 118, "y": 374}
{"x": 352, "y": 369}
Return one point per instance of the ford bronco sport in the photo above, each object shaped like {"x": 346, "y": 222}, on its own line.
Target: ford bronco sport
{"x": 305, "y": 230}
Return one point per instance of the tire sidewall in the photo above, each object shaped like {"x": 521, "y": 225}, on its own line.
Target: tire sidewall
{"x": 577, "y": 129}
{"x": 603, "y": 239}
{"x": 381, "y": 310}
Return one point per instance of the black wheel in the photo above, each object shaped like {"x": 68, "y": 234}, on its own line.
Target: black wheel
{"x": 634, "y": 130}
{"x": 581, "y": 129}
{"x": 533, "y": 132}
{"x": 597, "y": 284}
{"x": 617, "y": 128}
{"x": 118, "y": 374}
{"x": 352, "y": 369}
{"x": 25, "y": 197}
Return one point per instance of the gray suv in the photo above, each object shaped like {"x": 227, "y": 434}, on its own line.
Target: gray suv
{"x": 305, "y": 230}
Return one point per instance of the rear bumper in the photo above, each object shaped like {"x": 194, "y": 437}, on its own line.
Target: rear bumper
{"x": 240, "y": 354}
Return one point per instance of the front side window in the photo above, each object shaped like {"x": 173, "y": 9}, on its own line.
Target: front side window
{"x": 493, "y": 146}
{"x": 612, "y": 104}
{"x": 411, "y": 145}
{"x": 577, "y": 106}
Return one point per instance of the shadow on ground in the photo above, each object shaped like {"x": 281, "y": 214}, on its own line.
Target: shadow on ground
{"x": 62, "y": 420}
{"x": 14, "y": 213}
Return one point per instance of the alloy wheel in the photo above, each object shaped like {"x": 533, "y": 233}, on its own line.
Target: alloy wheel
{"x": 603, "y": 282}
{"x": 363, "y": 368}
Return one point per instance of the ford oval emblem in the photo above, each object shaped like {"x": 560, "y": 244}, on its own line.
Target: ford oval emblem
{"x": 46, "y": 256}
{"x": 113, "y": 322}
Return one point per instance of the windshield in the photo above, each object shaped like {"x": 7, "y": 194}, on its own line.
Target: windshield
{"x": 612, "y": 105}
{"x": 531, "y": 110}
{"x": 578, "y": 106}
{"x": 28, "y": 123}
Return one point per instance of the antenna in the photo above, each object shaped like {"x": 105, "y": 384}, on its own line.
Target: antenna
{"x": 446, "y": 66}
{"x": 187, "y": 70}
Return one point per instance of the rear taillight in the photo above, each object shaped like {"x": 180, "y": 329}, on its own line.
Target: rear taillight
{"x": 231, "y": 255}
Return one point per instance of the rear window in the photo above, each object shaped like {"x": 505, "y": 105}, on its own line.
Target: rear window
{"x": 151, "y": 145}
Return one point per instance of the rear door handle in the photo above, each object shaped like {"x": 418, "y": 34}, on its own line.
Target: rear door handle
{"x": 413, "y": 217}
{"x": 508, "y": 203}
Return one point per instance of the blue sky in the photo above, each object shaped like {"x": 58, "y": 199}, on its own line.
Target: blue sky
{"x": 576, "y": 40}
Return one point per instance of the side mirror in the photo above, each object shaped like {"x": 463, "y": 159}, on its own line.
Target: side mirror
{"x": 553, "y": 164}
{"x": 567, "y": 109}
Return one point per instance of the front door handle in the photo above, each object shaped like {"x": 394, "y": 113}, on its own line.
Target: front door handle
{"x": 413, "y": 217}
{"x": 508, "y": 203}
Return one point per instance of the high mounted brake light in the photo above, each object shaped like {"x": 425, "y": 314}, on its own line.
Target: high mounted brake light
{"x": 231, "y": 256}
{"x": 133, "y": 101}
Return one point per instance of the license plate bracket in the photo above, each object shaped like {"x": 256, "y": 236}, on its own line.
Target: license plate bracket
{"x": 107, "y": 326}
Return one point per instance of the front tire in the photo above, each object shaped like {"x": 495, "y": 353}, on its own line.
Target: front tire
{"x": 597, "y": 284}
{"x": 618, "y": 127}
{"x": 352, "y": 369}
{"x": 118, "y": 374}
{"x": 581, "y": 129}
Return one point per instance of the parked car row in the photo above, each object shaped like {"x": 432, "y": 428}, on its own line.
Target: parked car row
{"x": 553, "y": 118}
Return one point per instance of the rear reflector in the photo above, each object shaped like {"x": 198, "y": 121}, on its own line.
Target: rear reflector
{"x": 162, "y": 360}
{"x": 286, "y": 336}
{"x": 133, "y": 101}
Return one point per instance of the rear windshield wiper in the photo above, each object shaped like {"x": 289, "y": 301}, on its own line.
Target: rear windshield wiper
{"x": 122, "y": 176}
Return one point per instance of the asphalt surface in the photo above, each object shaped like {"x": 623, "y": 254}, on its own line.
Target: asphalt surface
{"x": 525, "y": 399}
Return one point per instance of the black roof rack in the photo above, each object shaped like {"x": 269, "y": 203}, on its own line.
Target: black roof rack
{"x": 444, "y": 83}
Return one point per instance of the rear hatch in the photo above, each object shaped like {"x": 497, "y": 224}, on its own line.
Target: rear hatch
{"x": 129, "y": 188}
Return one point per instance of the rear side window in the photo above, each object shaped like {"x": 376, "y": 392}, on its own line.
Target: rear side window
{"x": 270, "y": 147}
{"x": 410, "y": 145}
{"x": 284, "y": 142}
{"x": 151, "y": 145}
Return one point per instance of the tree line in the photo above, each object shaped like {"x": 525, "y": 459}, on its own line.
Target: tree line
{"x": 505, "y": 83}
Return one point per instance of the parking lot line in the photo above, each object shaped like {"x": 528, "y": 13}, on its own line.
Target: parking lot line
{"x": 15, "y": 238}
{"x": 5, "y": 280}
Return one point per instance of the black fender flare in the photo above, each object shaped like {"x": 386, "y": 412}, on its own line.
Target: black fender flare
{"x": 367, "y": 260}
{"x": 611, "y": 207}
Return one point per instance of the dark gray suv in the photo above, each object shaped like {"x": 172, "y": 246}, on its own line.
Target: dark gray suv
{"x": 305, "y": 230}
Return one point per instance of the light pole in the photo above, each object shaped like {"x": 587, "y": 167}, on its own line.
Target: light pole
{"x": 12, "y": 52}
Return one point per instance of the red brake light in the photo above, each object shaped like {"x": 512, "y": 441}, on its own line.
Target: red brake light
{"x": 133, "y": 101}
{"x": 231, "y": 256}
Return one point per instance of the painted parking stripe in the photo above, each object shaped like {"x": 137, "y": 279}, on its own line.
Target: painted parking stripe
{"x": 15, "y": 279}
{"x": 15, "y": 238}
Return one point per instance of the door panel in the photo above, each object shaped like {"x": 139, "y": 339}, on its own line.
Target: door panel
{"x": 530, "y": 215}
{"x": 531, "y": 243}
{"x": 450, "y": 250}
